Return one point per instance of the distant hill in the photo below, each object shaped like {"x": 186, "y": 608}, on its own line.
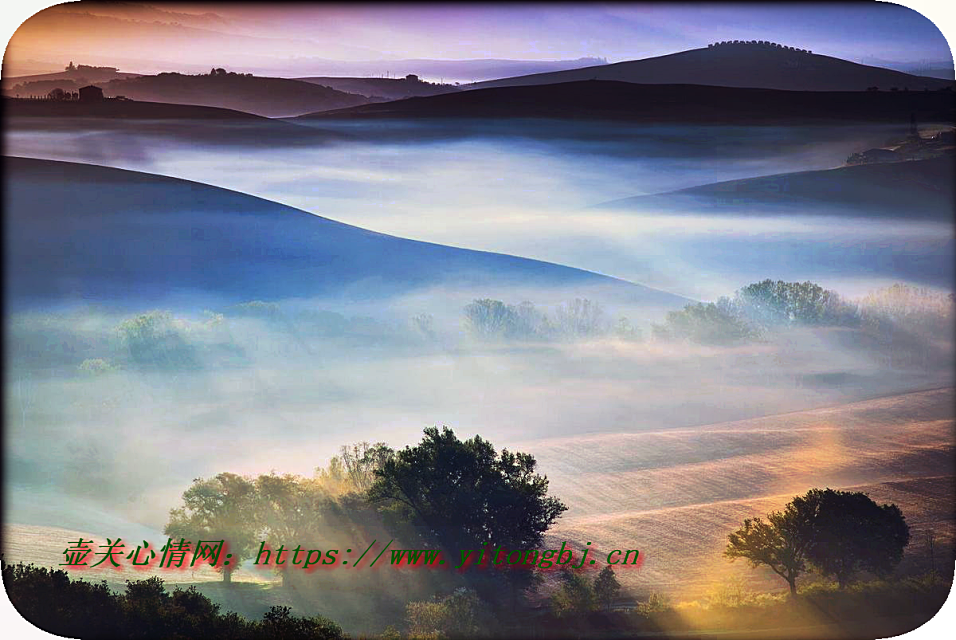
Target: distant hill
{"x": 386, "y": 88}
{"x": 917, "y": 189}
{"x": 738, "y": 65}
{"x": 77, "y": 232}
{"x": 271, "y": 97}
{"x": 607, "y": 100}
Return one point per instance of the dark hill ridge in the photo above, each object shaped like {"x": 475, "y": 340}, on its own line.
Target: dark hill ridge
{"x": 738, "y": 65}
{"x": 916, "y": 189}
{"x": 85, "y": 233}
{"x": 209, "y": 125}
{"x": 271, "y": 97}
{"x": 385, "y": 88}
{"x": 598, "y": 99}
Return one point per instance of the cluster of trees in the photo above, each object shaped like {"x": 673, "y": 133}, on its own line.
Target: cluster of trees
{"x": 578, "y": 594}
{"x": 50, "y": 600}
{"x": 281, "y": 510}
{"x": 769, "y": 305}
{"x": 580, "y": 318}
{"x": 763, "y": 43}
{"x": 443, "y": 493}
{"x": 838, "y": 533}
{"x": 457, "y": 615}
{"x": 59, "y": 95}
{"x": 219, "y": 71}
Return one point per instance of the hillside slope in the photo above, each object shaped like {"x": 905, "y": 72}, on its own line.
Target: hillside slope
{"x": 80, "y": 232}
{"x": 918, "y": 189}
{"x": 738, "y": 65}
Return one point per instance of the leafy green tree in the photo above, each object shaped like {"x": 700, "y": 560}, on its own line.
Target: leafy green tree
{"x": 606, "y": 587}
{"x": 464, "y": 495}
{"x": 854, "y": 533}
{"x": 220, "y": 508}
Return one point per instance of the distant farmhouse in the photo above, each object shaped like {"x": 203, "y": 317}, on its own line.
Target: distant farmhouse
{"x": 91, "y": 93}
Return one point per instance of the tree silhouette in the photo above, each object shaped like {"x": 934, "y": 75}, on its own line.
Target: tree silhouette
{"x": 837, "y": 532}
{"x": 465, "y": 495}
{"x": 852, "y": 533}
{"x": 781, "y": 542}
{"x": 606, "y": 587}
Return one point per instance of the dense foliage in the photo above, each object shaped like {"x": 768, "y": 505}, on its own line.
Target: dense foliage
{"x": 53, "y": 602}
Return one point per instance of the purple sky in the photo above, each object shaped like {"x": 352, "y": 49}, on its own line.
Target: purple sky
{"x": 284, "y": 39}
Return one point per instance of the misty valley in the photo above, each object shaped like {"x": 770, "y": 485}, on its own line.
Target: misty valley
{"x": 587, "y": 306}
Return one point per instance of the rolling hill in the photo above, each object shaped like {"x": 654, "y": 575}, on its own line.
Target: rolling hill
{"x": 738, "y": 65}
{"x": 917, "y": 189}
{"x": 87, "y": 233}
{"x": 677, "y": 493}
{"x": 625, "y": 101}
{"x": 270, "y": 97}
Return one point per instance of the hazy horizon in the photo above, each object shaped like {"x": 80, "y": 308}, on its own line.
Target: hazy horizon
{"x": 293, "y": 41}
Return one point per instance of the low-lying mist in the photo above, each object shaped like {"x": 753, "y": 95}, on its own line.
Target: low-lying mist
{"x": 527, "y": 188}
{"x": 120, "y": 411}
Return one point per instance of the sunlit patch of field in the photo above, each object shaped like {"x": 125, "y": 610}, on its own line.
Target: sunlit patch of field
{"x": 676, "y": 494}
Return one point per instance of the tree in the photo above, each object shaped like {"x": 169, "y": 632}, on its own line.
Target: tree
{"x": 853, "y": 533}
{"x": 354, "y": 467}
{"x": 580, "y": 318}
{"x": 490, "y": 319}
{"x": 773, "y": 303}
{"x": 781, "y": 542}
{"x": 464, "y": 495}
{"x": 288, "y": 510}
{"x": 575, "y": 596}
{"x": 156, "y": 340}
{"x": 704, "y": 323}
{"x": 458, "y": 615}
{"x": 606, "y": 587}
{"x": 220, "y": 508}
